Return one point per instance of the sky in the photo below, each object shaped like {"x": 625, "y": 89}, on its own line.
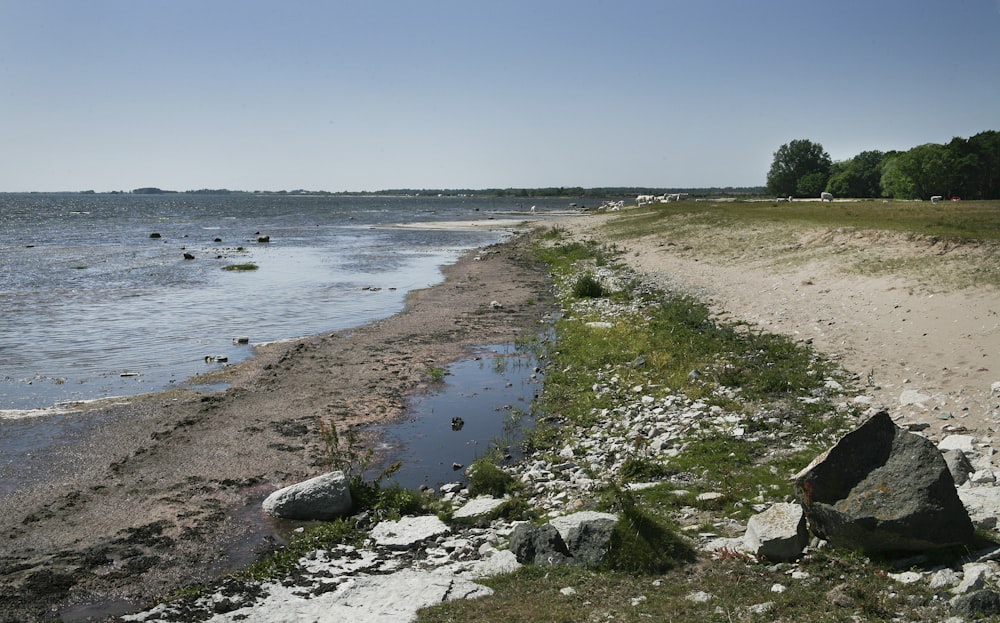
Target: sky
{"x": 362, "y": 95}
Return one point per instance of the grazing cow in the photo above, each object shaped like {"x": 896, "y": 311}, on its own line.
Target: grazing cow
{"x": 826, "y": 197}
{"x": 936, "y": 198}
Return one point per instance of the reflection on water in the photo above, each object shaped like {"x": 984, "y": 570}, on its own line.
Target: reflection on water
{"x": 491, "y": 395}
{"x": 93, "y": 306}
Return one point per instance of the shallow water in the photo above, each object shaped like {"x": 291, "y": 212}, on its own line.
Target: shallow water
{"x": 491, "y": 394}
{"x": 91, "y": 306}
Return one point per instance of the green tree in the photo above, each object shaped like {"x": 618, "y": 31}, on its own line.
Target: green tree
{"x": 861, "y": 176}
{"x": 895, "y": 183}
{"x": 800, "y": 167}
{"x": 931, "y": 169}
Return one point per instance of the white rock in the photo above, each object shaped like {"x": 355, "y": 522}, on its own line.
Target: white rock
{"x": 982, "y": 504}
{"x": 907, "y": 577}
{"x": 965, "y": 443}
{"x": 500, "y": 563}
{"x": 778, "y": 534}
{"x": 408, "y": 531}
{"x": 982, "y": 477}
{"x": 323, "y": 497}
{"x": 569, "y": 591}
{"x": 913, "y": 397}
{"x": 699, "y": 597}
{"x": 944, "y": 578}
{"x": 478, "y": 506}
{"x": 974, "y": 577}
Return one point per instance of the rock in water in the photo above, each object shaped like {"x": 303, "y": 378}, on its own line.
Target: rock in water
{"x": 323, "y": 497}
{"x": 881, "y": 488}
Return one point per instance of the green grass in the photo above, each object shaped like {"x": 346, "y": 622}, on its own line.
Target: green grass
{"x": 240, "y": 267}
{"x": 651, "y": 570}
{"x": 964, "y": 220}
{"x": 839, "y": 588}
{"x": 938, "y": 245}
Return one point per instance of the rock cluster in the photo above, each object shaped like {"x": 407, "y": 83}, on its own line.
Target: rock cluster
{"x": 417, "y": 561}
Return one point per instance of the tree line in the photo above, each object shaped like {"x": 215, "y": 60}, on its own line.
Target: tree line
{"x": 966, "y": 168}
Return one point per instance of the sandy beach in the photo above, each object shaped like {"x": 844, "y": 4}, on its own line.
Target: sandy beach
{"x": 925, "y": 343}
{"x": 164, "y": 490}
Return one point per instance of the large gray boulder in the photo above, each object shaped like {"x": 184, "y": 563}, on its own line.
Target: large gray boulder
{"x": 539, "y": 545}
{"x": 883, "y": 489}
{"x": 778, "y": 534}
{"x": 323, "y": 497}
{"x": 587, "y": 535}
{"x": 582, "y": 538}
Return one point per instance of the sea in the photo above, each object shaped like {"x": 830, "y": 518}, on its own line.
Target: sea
{"x": 105, "y": 295}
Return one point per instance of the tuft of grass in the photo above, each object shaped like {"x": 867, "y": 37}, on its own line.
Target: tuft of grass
{"x": 284, "y": 561}
{"x": 587, "y": 286}
{"x": 486, "y": 478}
{"x": 240, "y": 267}
{"x": 436, "y": 374}
{"x": 643, "y": 542}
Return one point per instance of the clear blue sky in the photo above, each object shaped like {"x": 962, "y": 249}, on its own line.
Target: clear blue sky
{"x": 368, "y": 94}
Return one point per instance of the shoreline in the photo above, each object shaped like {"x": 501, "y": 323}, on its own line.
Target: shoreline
{"x": 162, "y": 490}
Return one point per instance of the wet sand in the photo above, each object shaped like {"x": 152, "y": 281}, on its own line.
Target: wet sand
{"x": 139, "y": 497}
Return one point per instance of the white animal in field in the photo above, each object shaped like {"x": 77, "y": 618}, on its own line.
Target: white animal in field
{"x": 936, "y": 198}
{"x": 644, "y": 199}
{"x": 826, "y": 197}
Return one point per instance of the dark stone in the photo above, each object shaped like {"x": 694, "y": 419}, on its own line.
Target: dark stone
{"x": 958, "y": 464}
{"x": 154, "y": 235}
{"x": 587, "y": 535}
{"x": 883, "y": 489}
{"x": 540, "y": 545}
{"x": 977, "y": 604}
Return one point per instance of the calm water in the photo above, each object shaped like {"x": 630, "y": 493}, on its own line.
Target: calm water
{"x": 91, "y": 306}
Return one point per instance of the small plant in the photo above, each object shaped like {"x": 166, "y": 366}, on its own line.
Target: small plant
{"x": 588, "y": 287}
{"x": 486, "y": 478}
{"x": 436, "y": 374}
{"x": 641, "y": 542}
{"x": 283, "y": 561}
{"x": 347, "y": 453}
{"x": 240, "y": 267}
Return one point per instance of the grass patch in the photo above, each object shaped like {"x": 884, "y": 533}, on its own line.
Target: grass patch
{"x": 955, "y": 244}
{"x": 486, "y": 478}
{"x": 241, "y": 267}
{"x": 643, "y": 542}
{"x": 320, "y": 536}
{"x": 587, "y": 286}
{"x": 960, "y": 221}
{"x": 436, "y": 374}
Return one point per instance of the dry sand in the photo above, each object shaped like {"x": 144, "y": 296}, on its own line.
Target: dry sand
{"x": 923, "y": 327}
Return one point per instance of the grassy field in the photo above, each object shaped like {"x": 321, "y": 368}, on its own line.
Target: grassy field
{"x": 777, "y": 385}
{"x": 963, "y": 221}
{"x": 951, "y": 244}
